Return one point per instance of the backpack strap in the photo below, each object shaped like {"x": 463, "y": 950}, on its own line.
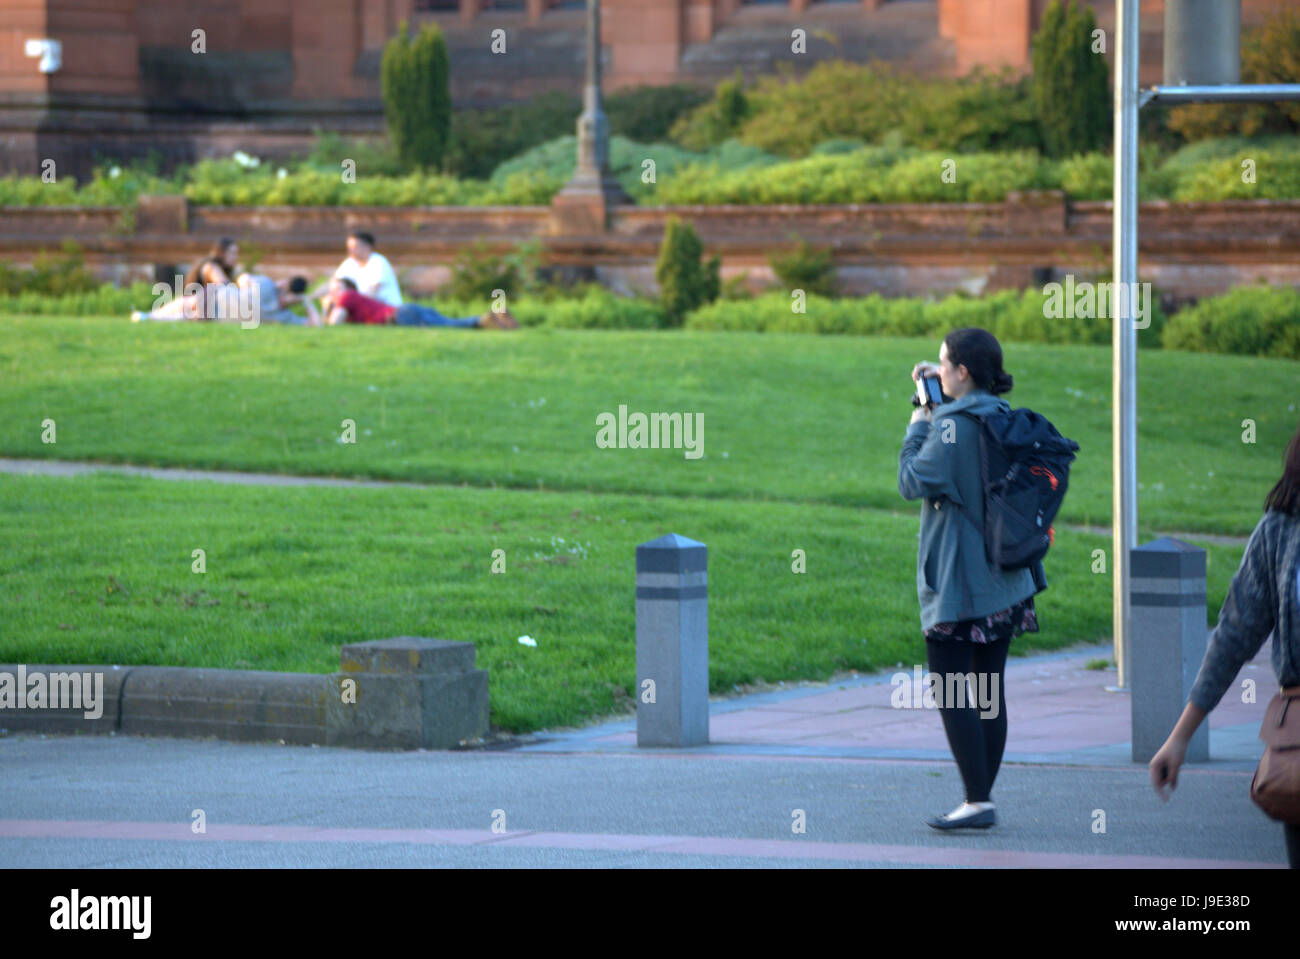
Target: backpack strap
{"x": 979, "y": 425}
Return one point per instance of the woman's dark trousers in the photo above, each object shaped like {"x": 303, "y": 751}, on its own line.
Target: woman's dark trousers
{"x": 977, "y": 738}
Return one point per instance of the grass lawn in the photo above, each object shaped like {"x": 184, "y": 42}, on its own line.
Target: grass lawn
{"x": 802, "y": 419}
{"x": 801, "y": 440}
{"x": 98, "y": 570}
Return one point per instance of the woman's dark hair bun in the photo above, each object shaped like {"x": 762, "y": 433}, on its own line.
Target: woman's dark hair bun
{"x": 1002, "y": 382}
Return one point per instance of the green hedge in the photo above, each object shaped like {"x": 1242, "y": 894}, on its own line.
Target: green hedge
{"x": 1015, "y": 317}
{"x": 107, "y": 300}
{"x": 481, "y": 140}
{"x": 1253, "y": 320}
{"x": 591, "y": 308}
{"x": 1249, "y": 320}
{"x": 554, "y": 162}
{"x": 838, "y": 171}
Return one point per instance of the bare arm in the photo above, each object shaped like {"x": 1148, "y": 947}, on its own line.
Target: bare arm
{"x": 313, "y": 317}
{"x": 215, "y": 275}
{"x": 336, "y": 316}
{"x": 1165, "y": 764}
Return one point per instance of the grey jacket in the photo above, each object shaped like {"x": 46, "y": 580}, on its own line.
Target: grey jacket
{"x": 954, "y": 580}
{"x": 1264, "y": 598}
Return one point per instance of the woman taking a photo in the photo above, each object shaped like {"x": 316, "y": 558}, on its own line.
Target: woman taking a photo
{"x": 1264, "y": 598}
{"x": 970, "y": 610}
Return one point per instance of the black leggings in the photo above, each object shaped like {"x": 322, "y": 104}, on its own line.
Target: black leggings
{"x": 977, "y": 741}
{"x": 1292, "y": 831}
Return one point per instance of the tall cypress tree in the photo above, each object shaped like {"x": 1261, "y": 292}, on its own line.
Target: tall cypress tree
{"x": 1071, "y": 81}
{"x": 417, "y": 98}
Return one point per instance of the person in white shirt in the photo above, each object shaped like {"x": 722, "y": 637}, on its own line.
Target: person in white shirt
{"x": 368, "y": 269}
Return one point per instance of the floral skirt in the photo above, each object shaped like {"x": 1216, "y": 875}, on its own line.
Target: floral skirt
{"x": 993, "y": 628}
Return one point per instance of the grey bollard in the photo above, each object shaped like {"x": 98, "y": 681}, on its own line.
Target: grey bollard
{"x": 1167, "y": 596}
{"x": 672, "y": 642}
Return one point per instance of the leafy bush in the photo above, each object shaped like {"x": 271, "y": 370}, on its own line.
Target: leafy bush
{"x": 717, "y": 120}
{"x": 371, "y": 157}
{"x": 104, "y": 300}
{"x": 599, "y": 309}
{"x": 647, "y": 114}
{"x": 555, "y": 160}
{"x": 805, "y": 268}
{"x": 1252, "y": 320}
{"x": 477, "y": 273}
{"x": 1089, "y": 176}
{"x": 49, "y": 275}
{"x": 684, "y": 282}
{"x": 833, "y": 100}
{"x": 881, "y": 174}
{"x": 1071, "y": 87}
{"x": 1276, "y": 176}
{"x": 979, "y": 112}
{"x": 417, "y": 98}
{"x": 481, "y": 140}
{"x": 838, "y": 101}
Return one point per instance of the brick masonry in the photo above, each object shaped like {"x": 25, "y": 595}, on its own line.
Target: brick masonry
{"x": 1188, "y": 250}
{"x": 272, "y": 72}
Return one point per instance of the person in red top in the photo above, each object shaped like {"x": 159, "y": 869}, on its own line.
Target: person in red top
{"x": 351, "y": 306}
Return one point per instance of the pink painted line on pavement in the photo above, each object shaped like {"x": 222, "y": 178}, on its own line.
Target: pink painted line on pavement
{"x": 622, "y": 842}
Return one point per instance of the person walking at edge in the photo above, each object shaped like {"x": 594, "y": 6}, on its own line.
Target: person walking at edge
{"x": 1264, "y": 598}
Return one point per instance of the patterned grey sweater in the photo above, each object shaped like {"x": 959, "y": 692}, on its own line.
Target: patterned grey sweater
{"x": 1264, "y": 598}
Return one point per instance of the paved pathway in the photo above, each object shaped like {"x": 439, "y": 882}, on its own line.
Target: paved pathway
{"x": 858, "y": 774}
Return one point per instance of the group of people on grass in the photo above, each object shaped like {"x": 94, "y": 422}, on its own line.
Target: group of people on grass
{"x": 364, "y": 289}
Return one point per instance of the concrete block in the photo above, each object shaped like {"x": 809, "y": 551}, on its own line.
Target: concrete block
{"x": 67, "y": 700}
{"x": 231, "y": 704}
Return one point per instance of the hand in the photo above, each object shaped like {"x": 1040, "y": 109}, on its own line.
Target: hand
{"x": 924, "y": 369}
{"x": 920, "y": 413}
{"x": 1165, "y": 764}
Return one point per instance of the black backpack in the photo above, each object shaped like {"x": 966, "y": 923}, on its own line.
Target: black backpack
{"x": 1024, "y": 472}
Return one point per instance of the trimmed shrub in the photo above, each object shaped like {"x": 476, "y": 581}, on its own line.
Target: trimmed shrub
{"x": 417, "y": 99}
{"x": 685, "y": 283}
{"x": 806, "y": 268}
{"x": 1071, "y": 86}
